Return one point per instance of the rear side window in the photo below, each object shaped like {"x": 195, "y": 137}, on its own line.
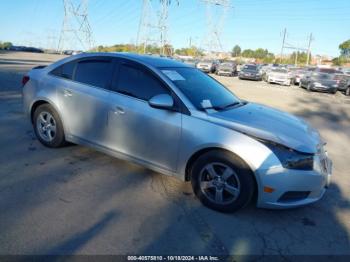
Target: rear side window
{"x": 138, "y": 83}
{"x": 94, "y": 72}
{"x": 65, "y": 71}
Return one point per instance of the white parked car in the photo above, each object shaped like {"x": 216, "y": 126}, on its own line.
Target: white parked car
{"x": 279, "y": 76}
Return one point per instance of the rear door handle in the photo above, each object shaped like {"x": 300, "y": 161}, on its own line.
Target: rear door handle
{"x": 119, "y": 110}
{"x": 67, "y": 93}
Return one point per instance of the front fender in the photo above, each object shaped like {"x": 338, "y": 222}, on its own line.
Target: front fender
{"x": 199, "y": 134}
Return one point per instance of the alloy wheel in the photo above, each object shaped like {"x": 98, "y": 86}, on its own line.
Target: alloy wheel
{"x": 46, "y": 126}
{"x": 219, "y": 183}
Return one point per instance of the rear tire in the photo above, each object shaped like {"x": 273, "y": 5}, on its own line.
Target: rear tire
{"x": 48, "y": 126}
{"x": 222, "y": 181}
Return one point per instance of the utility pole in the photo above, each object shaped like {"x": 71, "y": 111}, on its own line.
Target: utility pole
{"x": 297, "y": 48}
{"x": 309, "y": 50}
{"x": 76, "y": 32}
{"x": 283, "y": 42}
{"x": 296, "y": 57}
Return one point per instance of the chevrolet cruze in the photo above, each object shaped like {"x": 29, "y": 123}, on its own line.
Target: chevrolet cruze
{"x": 176, "y": 120}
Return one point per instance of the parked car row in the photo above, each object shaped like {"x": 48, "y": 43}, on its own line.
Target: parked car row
{"x": 328, "y": 80}
{"x": 219, "y": 67}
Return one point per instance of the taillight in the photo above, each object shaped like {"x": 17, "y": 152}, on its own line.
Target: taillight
{"x": 25, "y": 79}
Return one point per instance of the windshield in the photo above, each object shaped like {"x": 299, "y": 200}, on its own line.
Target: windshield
{"x": 321, "y": 75}
{"x": 203, "y": 91}
{"x": 325, "y": 76}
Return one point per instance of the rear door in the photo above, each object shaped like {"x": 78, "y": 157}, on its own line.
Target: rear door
{"x": 135, "y": 128}
{"x": 83, "y": 99}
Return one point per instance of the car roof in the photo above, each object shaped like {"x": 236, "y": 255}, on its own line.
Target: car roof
{"x": 150, "y": 60}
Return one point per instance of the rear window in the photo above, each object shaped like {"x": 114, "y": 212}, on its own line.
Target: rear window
{"x": 322, "y": 75}
{"x": 94, "y": 72}
{"x": 66, "y": 70}
{"x": 328, "y": 70}
{"x": 250, "y": 67}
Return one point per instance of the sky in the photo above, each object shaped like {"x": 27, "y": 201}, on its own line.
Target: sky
{"x": 249, "y": 23}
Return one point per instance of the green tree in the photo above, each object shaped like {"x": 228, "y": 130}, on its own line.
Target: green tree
{"x": 5, "y": 45}
{"x": 260, "y": 53}
{"x": 249, "y": 53}
{"x": 345, "y": 48}
{"x": 192, "y": 51}
{"x": 269, "y": 58}
{"x": 302, "y": 58}
{"x": 236, "y": 51}
{"x": 338, "y": 61}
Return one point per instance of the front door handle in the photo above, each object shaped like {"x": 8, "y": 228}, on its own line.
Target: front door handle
{"x": 67, "y": 93}
{"x": 119, "y": 110}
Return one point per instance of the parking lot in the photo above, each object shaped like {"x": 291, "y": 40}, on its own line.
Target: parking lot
{"x": 76, "y": 200}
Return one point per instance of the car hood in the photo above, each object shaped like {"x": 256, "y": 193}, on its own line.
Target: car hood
{"x": 270, "y": 124}
{"x": 276, "y": 74}
{"x": 226, "y": 67}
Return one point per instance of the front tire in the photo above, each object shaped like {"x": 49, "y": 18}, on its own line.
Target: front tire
{"x": 222, "y": 181}
{"x": 48, "y": 126}
{"x": 308, "y": 87}
{"x": 347, "y": 91}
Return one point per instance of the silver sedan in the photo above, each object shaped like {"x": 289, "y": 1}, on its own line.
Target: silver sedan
{"x": 176, "y": 120}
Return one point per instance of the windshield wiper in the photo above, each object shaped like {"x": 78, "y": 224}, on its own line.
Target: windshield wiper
{"x": 217, "y": 108}
{"x": 231, "y": 105}
{"x": 220, "y": 108}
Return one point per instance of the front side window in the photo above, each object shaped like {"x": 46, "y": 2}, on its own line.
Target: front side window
{"x": 138, "y": 83}
{"x": 203, "y": 91}
{"x": 94, "y": 72}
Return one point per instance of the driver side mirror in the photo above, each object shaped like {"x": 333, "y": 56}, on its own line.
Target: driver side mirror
{"x": 162, "y": 101}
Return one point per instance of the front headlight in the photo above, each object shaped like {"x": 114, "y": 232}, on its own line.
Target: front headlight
{"x": 290, "y": 158}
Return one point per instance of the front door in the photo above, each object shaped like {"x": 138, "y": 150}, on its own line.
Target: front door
{"x": 134, "y": 127}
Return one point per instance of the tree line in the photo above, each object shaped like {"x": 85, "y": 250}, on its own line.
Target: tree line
{"x": 344, "y": 56}
{"x": 5, "y": 45}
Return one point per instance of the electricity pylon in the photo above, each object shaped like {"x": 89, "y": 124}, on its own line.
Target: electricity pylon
{"x": 153, "y": 26}
{"x": 216, "y": 12}
{"x": 76, "y": 33}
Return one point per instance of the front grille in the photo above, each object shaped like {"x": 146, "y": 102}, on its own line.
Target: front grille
{"x": 291, "y": 196}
